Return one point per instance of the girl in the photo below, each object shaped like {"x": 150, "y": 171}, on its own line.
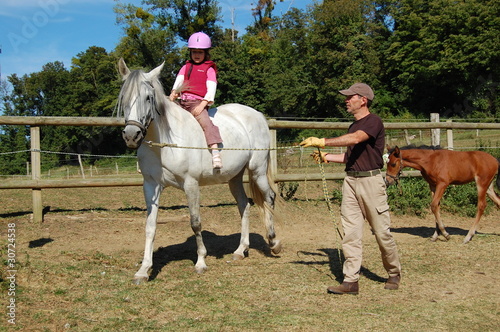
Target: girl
{"x": 195, "y": 85}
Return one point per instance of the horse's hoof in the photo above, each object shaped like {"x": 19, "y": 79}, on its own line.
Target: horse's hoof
{"x": 276, "y": 249}
{"x": 139, "y": 280}
{"x": 238, "y": 257}
{"x": 199, "y": 269}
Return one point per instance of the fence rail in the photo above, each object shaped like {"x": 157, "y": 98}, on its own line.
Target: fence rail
{"x": 272, "y": 123}
{"x": 36, "y": 184}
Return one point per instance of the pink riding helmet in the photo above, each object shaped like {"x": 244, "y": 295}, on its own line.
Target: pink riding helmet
{"x": 199, "y": 40}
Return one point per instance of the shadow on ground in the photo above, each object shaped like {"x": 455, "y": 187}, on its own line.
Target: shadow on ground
{"x": 217, "y": 246}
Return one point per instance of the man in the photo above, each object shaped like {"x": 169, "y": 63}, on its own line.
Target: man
{"x": 363, "y": 191}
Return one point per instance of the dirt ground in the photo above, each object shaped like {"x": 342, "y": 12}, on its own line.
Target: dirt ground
{"x": 107, "y": 225}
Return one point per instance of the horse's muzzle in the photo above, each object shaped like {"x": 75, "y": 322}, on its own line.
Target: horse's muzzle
{"x": 133, "y": 136}
{"x": 389, "y": 180}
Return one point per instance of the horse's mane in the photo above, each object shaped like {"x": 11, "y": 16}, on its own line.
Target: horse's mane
{"x": 421, "y": 147}
{"x": 161, "y": 99}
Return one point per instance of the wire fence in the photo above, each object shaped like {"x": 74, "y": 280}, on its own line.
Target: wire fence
{"x": 290, "y": 157}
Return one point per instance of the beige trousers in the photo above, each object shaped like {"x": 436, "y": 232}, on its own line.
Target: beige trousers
{"x": 365, "y": 198}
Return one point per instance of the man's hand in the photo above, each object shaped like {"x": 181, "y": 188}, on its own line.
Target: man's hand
{"x": 320, "y": 157}
{"x": 313, "y": 141}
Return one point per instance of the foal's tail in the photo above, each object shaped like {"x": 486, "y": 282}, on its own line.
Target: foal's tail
{"x": 498, "y": 175}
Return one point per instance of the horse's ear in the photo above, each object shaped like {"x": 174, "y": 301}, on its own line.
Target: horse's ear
{"x": 396, "y": 151}
{"x": 155, "y": 72}
{"x": 123, "y": 69}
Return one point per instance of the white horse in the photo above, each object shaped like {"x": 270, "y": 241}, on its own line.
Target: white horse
{"x": 151, "y": 116}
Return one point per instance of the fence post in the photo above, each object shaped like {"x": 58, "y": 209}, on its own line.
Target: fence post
{"x": 436, "y": 132}
{"x": 449, "y": 136}
{"x": 36, "y": 173}
{"x": 273, "y": 153}
{"x": 81, "y": 165}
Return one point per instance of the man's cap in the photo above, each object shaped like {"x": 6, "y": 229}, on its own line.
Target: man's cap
{"x": 361, "y": 89}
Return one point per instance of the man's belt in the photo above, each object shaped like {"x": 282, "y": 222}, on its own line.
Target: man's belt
{"x": 362, "y": 174}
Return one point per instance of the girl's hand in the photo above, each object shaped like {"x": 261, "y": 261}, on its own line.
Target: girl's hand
{"x": 173, "y": 95}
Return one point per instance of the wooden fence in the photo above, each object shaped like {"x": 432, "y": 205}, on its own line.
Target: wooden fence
{"x": 36, "y": 184}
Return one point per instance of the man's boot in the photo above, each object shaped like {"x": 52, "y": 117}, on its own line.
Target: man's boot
{"x": 393, "y": 282}
{"x": 344, "y": 288}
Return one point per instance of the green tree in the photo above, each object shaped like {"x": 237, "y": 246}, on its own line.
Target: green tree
{"x": 94, "y": 91}
{"x": 341, "y": 52}
{"x": 95, "y": 83}
{"x": 443, "y": 56}
{"x": 230, "y": 57}
{"x": 146, "y": 43}
{"x": 263, "y": 18}
{"x": 13, "y": 139}
{"x": 287, "y": 79}
{"x": 187, "y": 17}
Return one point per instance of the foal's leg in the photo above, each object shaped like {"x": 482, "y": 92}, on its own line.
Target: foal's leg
{"x": 152, "y": 192}
{"x": 238, "y": 191}
{"x": 481, "y": 205}
{"x": 437, "y": 194}
{"x": 492, "y": 195}
{"x": 192, "y": 190}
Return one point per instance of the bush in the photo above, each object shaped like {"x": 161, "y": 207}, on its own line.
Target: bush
{"x": 415, "y": 199}
{"x": 461, "y": 200}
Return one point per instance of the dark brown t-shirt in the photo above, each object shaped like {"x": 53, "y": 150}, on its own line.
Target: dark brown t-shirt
{"x": 367, "y": 155}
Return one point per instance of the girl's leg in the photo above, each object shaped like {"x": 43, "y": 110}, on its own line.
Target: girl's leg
{"x": 216, "y": 159}
{"x": 211, "y": 131}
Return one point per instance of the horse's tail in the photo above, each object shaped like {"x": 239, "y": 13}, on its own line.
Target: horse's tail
{"x": 260, "y": 200}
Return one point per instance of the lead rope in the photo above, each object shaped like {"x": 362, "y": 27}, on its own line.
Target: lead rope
{"x": 173, "y": 145}
{"x": 329, "y": 205}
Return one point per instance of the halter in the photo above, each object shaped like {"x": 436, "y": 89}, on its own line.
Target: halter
{"x": 401, "y": 166}
{"x": 149, "y": 118}
{"x": 396, "y": 177}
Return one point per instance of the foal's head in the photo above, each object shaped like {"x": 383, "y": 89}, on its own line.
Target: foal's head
{"x": 394, "y": 165}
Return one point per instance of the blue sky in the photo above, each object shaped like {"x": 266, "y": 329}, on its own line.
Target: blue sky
{"x": 36, "y": 32}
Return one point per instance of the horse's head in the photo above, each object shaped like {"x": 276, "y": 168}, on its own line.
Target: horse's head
{"x": 394, "y": 165}
{"x": 137, "y": 102}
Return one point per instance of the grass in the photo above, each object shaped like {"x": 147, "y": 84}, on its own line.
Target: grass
{"x": 81, "y": 279}
{"x": 74, "y": 271}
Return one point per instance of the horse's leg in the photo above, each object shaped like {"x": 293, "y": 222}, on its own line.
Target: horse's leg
{"x": 269, "y": 197}
{"x": 238, "y": 191}
{"x": 492, "y": 195}
{"x": 437, "y": 194}
{"x": 481, "y": 205}
{"x": 192, "y": 190}
{"x": 152, "y": 191}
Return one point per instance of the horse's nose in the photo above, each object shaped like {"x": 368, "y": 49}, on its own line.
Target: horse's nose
{"x": 132, "y": 136}
{"x": 388, "y": 181}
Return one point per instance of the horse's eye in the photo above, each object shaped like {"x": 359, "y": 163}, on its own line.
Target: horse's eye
{"x": 393, "y": 165}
